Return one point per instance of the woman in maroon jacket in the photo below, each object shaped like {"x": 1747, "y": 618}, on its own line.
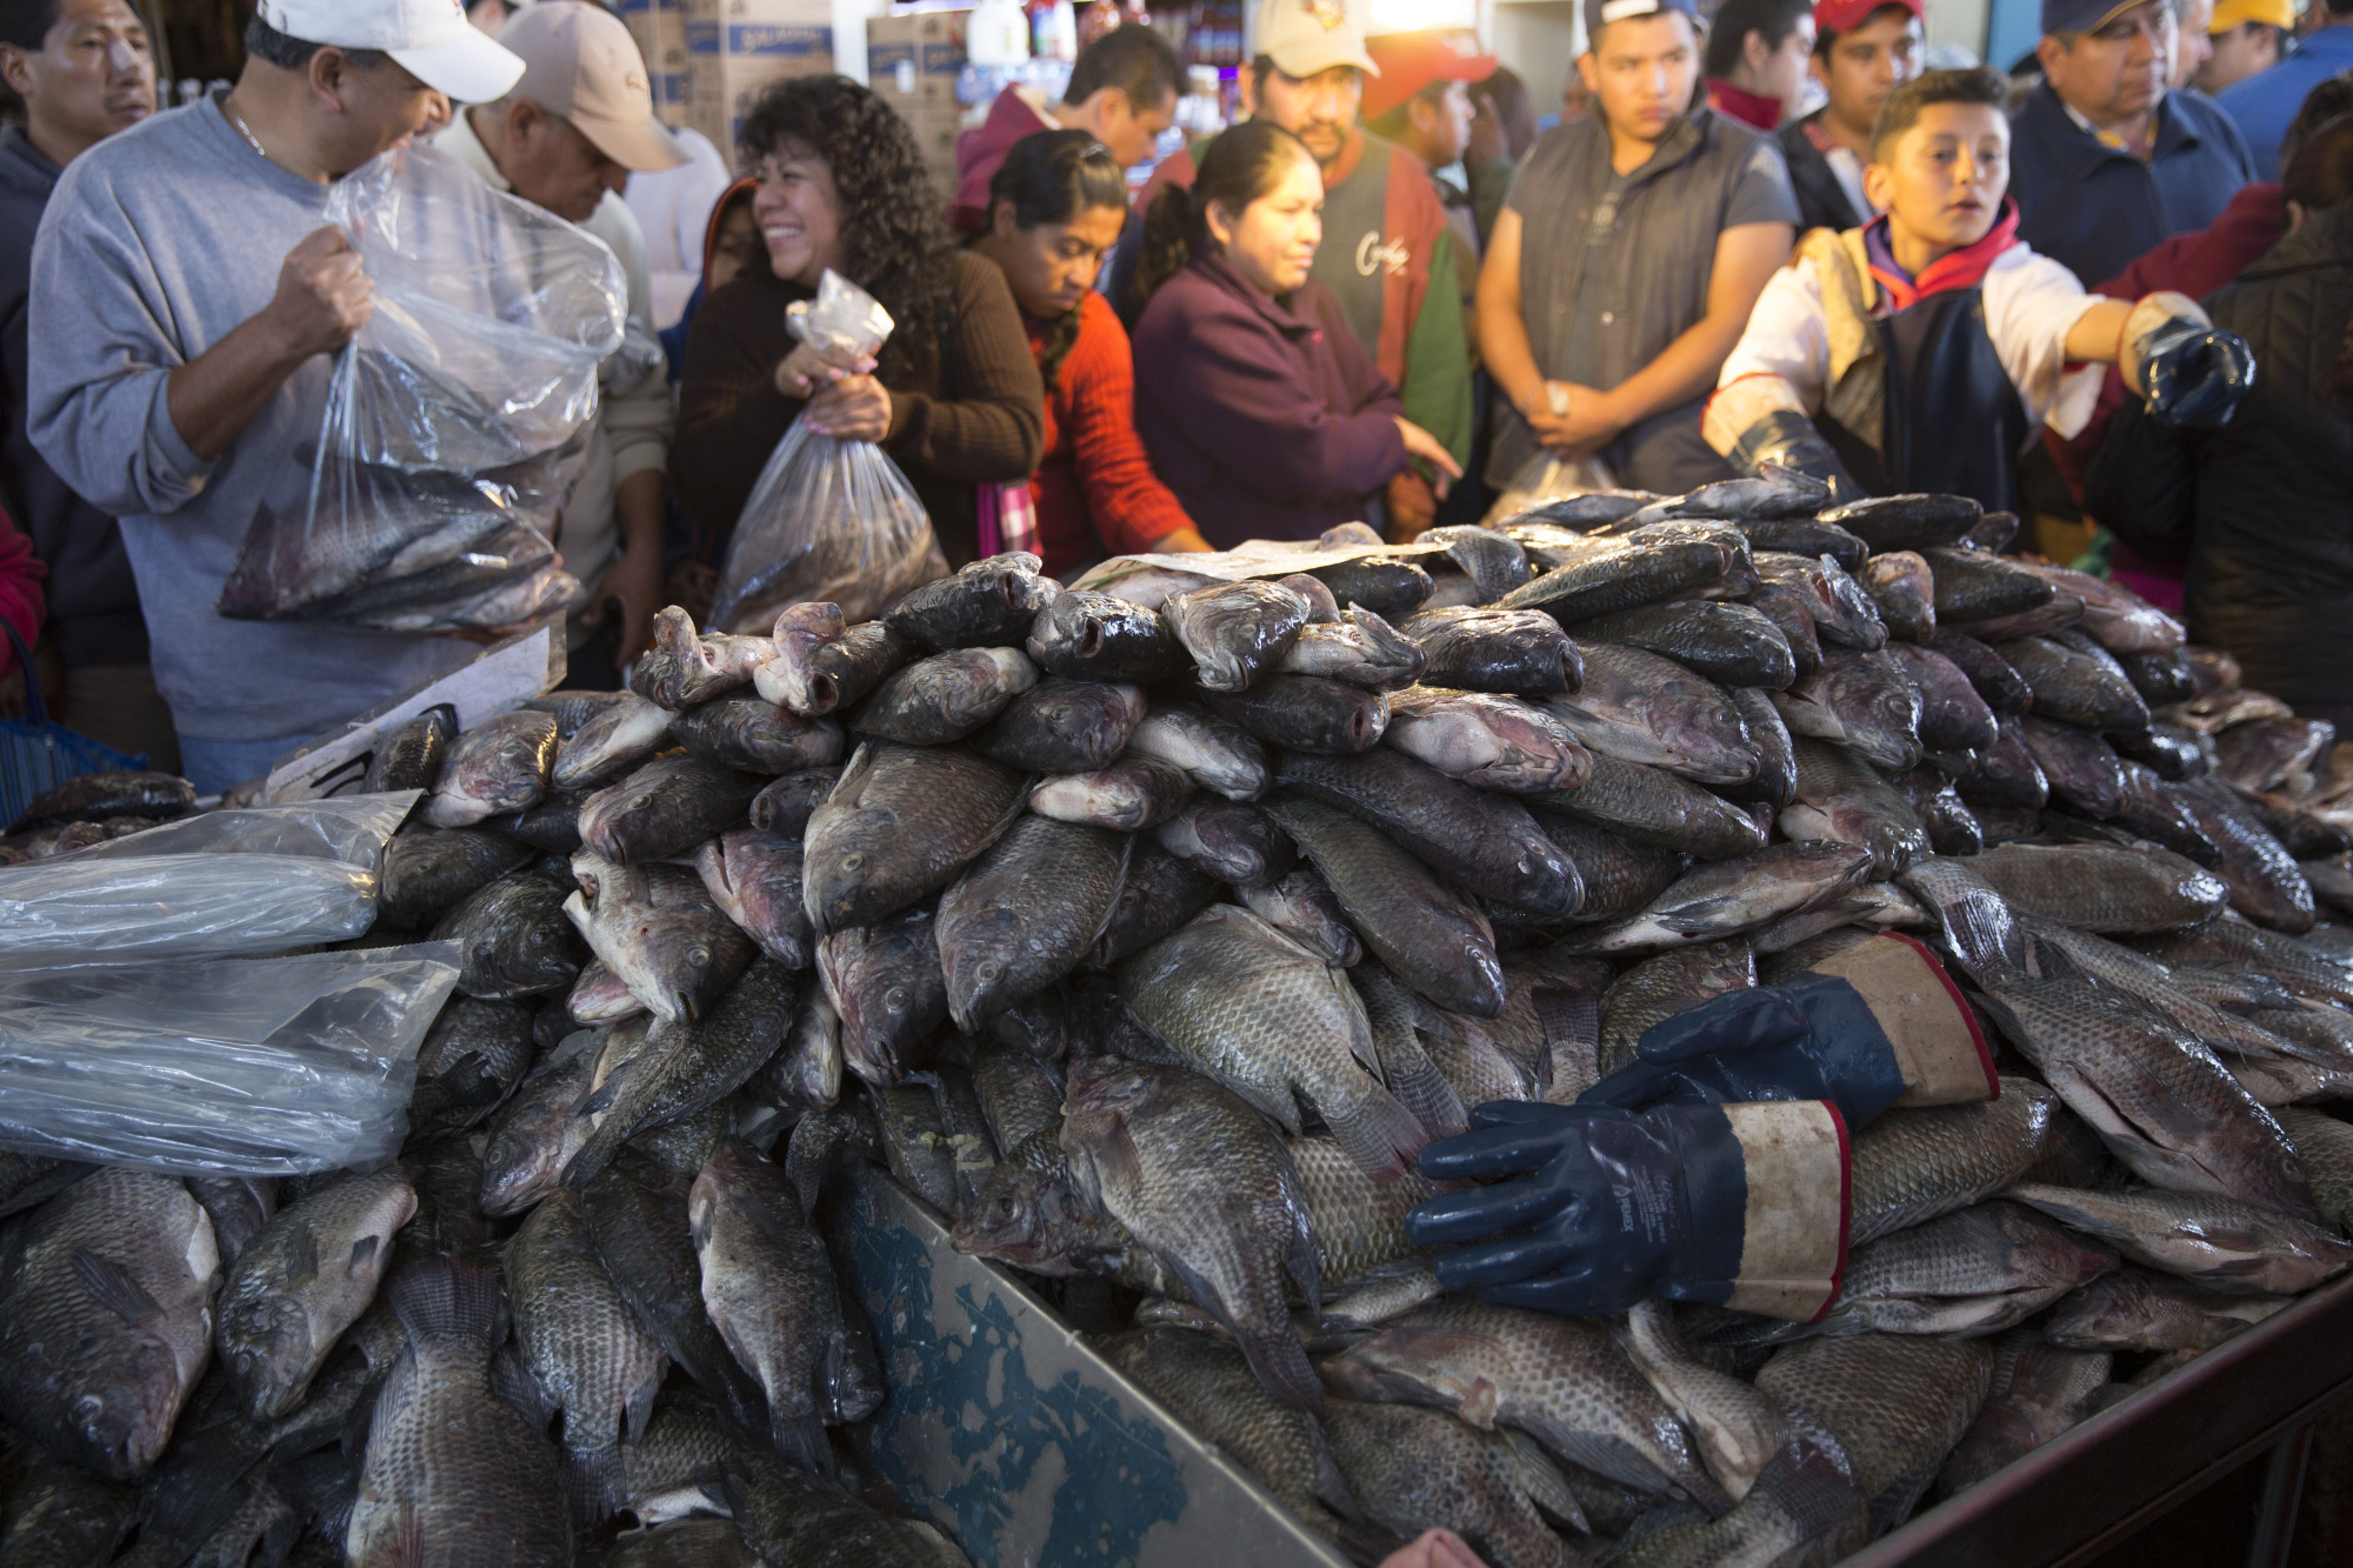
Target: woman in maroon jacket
{"x": 1259, "y": 407}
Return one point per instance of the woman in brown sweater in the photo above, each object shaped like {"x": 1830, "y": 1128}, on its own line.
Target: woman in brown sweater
{"x": 956, "y": 398}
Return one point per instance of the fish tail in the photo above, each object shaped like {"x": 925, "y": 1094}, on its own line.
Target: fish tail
{"x": 1280, "y": 1363}
{"x": 1415, "y": 1083}
{"x": 593, "y": 1486}
{"x": 799, "y": 1439}
{"x": 1379, "y": 1134}
{"x": 441, "y": 1299}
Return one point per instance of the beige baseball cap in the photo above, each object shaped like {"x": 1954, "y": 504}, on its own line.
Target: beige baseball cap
{"x": 1306, "y": 38}
{"x": 431, "y": 39}
{"x": 580, "y": 64}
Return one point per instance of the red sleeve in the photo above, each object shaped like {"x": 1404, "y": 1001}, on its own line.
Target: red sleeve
{"x": 1413, "y": 213}
{"x": 20, "y": 589}
{"x": 1133, "y": 510}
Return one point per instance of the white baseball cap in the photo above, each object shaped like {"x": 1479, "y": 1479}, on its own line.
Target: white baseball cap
{"x": 1307, "y": 38}
{"x": 431, "y": 39}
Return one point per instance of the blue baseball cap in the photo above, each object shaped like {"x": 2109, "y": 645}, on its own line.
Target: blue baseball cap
{"x": 1600, "y": 13}
{"x": 2082, "y": 16}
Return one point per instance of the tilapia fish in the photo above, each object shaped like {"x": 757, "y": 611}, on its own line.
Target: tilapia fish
{"x": 1062, "y": 726}
{"x": 1864, "y": 699}
{"x": 1217, "y": 755}
{"x": 514, "y": 940}
{"x": 1913, "y": 1165}
{"x": 106, "y": 1319}
{"x": 1903, "y": 591}
{"x": 1271, "y": 1021}
{"x": 499, "y": 765}
{"x": 754, "y": 735}
{"x": 1023, "y": 915}
{"x": 2039, "y": 1391}
{"x": 886, "y": 984}
{"x": 625, "y": 733}
{"x": 454, "y": 1473}
{"x": 1358, "y": 1222}
{"x": 770, "y": 1290}
{"x": 1563, "y": 1381}
{"x": 658, "y": 928}
{"x": 304, "y": 1280}
{"x": 2216, "y": 1242}
{"x": 1729, "y": 643}
{"x": 2326, "y": 1143}
{"x": 1236, "y": 632}
{"x": 1638, "y": 571}
{"x": 1097, "y": 637}
{"x": 1160, "y": 894}
{"x": 1733, "y": 895}
{"x": 1642, "y": 708}
{"x": 898, "y": 828}
{"x": 408, "y": 758}
{"x": 1739, "y": 1430}
{"x": 1491, "y": 741}
{"x": 2006, "y": 774}
{"x": 1619, "y": 874}
{"x": 822, "y": 667}
{"x": 1976, "y": 1271}
{"x": 2102, "y": 888}
{"x": 1804, "y": 1506}
{"x": 539, "y": 1127}
{"x": 588, "y": 1355}
{"x": 1837, "y": 799}
{"x": 1359, "y": 649}
{"x": 1655, "y": 808}
{"x": 1661, "y": 987}
{"x": 1430, "y": 936}
{"x": 665, "y": 808}
{"x": 1896, "y": 1403}
{"x": 1418, "y": 1468}
{"x": 1485, "y": 843}
{"x": 1210, "y": 1387}
{"x": 1228, "y": 840}
{"x": 754, "y": 877}
{"x": 2076, "y": 685}
{"x": 1302, "y": 906}
{"x": 988, "y": 604}
{"x": 1204, "y": 1182}
{"x": 945, "y": 697}
{"x": 2140, "y": 1310}
{"x": 2156, "y": 1096}
{"x": 1506, "y": 651}
{"x": 1972, "y": 585}
{"x": 428, "y": 871}
{"x": 1952, "y": 718}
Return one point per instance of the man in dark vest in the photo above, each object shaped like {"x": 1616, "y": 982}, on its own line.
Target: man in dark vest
{"x": 1926, "y": 349}
{"x": 1863, "y": 50}
{"x": 1387, "y": 255}
{"x": 1626, "y": 260}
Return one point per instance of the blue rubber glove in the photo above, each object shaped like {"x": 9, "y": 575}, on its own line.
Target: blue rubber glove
{"x": 2192, "y": 375}
{"x": 1884, "y": 1024}
{"x": 1606, "y": 1206}
{"x": 1789, "y": 439}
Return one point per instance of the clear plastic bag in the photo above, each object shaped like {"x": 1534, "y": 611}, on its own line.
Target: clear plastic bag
{"x": 1547, "y": 478}
{"x": 244, "y": 1067}
{"x": 456, "y": 420}
{"x": 254, "y": 880}
{"x": 829, "y": 520}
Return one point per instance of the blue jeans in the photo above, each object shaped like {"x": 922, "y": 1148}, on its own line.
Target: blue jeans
{"x": 215, "y": 766}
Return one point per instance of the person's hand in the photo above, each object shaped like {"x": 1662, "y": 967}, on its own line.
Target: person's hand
{"x": 1187, "y": 541}
{"x": 808, "y": 369}
{"x": 1571, "y": 420}
{"x": 1412, "y": 507}
{"x": 856, "y": 409}
{"x": 634, "y": 580}
{"x": 1420, "y": 443}
{"x": 2193, "y": 376}
{"x": 693, "y": 587}
{"x": 322, "y": 297}
{"x": 1434, "y": 1548}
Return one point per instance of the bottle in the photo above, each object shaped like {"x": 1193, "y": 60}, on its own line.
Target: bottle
{"x": 998, "y": 34}
{"x": 1057, "y": 37}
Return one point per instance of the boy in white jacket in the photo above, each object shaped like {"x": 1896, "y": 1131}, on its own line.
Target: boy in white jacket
{"x": 1924, "y": 351}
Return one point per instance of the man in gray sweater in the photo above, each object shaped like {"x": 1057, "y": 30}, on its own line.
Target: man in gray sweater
{"x": 187, "y": 299}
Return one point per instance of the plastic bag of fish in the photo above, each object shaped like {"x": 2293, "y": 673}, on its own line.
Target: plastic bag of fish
{"x": 828, "y": 519}
{"x": 456, "y": 420}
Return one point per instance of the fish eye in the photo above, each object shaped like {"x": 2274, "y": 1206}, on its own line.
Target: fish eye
{"x": 854, "y": 859}
{"x": 987, "y": 973}
{"x": 895, "y": 998}
{"x": 88, "y": 1408}
{"x": 698, "y": 956}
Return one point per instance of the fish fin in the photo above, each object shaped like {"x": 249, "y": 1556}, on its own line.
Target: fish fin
{"x": 441, "y": 1299}
{"x": 639, "y": 1410}
{"x": 799, "y": 1440}
{"x": 1117, "y": 1162}
{"x": 1299, "y": 1259}
{"x": 1541, "y": 1478}
{"x": 363, "y": 1253}
{"x": 593, "y": 1487}
{"x": 1330, "y": 1484}
{"x": 1415, "y": 1083}
{"x": 1280, "y": 1362}
{"x": 111, "y": 1285}
{"x": 1378, "y": 1134}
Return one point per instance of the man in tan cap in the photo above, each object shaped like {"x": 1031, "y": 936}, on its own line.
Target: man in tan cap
{"x": 1388, "y": 255}
{"x": 566, "y": 138}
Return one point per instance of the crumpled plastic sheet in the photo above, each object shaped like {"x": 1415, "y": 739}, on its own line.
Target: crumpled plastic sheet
{"x": 258, "y": 880}
{"x": 829, "y": 520}
{"x": 456, "y": 420}
{"x": 244, "y": 1067}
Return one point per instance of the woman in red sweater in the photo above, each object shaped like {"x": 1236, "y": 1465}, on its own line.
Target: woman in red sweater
{"x": 1055, "y": 209}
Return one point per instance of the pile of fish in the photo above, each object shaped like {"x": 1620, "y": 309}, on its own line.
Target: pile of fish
{"x": 1147, "y": 928}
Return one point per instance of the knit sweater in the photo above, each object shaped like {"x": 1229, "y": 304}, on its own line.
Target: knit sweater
{"x": 970, "y": 413}
{"x": 1095, "y": 492}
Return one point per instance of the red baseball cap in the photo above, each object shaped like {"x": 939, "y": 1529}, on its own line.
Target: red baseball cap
{"x": 1846, "y": 16}
{"x": 1411, "y": 61}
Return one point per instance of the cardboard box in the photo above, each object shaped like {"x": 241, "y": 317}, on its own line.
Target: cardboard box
{"x": 736, "y": 49}
{"x": 660, "y": 29}
{"x": 912, "y": 63}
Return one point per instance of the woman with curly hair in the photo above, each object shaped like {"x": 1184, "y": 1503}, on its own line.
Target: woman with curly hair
{"x": 1055, "y": 207}
{"x": 955, "y": 399}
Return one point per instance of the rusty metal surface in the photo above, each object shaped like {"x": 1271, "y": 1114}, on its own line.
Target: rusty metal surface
{"x": 2075, "y": 1497}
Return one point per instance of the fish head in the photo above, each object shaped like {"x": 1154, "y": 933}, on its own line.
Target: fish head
{"x": 1108, "y": 1089}
{"x": 126, "y": 1391}
{"x": 266, "y": 1350}
{"x": 1022, "y": 1217}
{"x": 1406, "y": 1364}
{"x": 803, "y": 628}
